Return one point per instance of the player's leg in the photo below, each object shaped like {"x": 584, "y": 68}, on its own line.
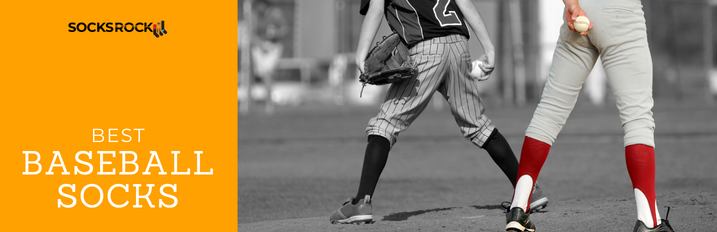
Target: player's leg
{"x": 628, "y": 65}
{"x": 461, "y": 92}
{"x": 499, "y": 150}
{"x": 573, "y": 60}
{"x": 407, "y": 99}
{"x": 403, "y": 104}
{"x": 373, "y": 163}
{"x": 359, "y": 209}
{"x": 503, "y": 156}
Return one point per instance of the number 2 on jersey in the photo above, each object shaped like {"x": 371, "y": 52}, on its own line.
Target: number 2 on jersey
{"x": 444, "y": 16}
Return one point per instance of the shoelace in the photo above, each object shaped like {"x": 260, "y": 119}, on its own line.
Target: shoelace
{"x": 362, "y": 85}
{"x": 666, "y": 216}
{"x": 348, "y": 201}
{"x": 506, "y": 206}
{"x": 361, "y": 93}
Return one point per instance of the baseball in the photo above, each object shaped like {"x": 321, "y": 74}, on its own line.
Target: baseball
{"x": 477, "y": 70}
{"x": 581, "y": 23}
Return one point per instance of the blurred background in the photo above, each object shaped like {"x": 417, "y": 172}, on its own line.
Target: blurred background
{"x": 302, "y": 121}
{"x": 295, "y": 52}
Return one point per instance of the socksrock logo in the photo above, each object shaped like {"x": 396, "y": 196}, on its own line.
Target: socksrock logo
{"x": 157, "y": 29}
{"x": 162, "y": 31}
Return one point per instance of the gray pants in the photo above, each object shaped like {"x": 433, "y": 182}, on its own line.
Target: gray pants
{"x": 619, "y": 36}
{"x": 443, "y": 65}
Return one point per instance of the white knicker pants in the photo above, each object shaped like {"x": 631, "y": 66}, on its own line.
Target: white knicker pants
{"x": 619, "y": 36}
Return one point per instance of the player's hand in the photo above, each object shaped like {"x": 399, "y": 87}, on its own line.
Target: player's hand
{"x": 488, "y": 59}
{"x": 572, "y": 11}
{"x": 483, "y": 66}
{"x": 477, "y": 67}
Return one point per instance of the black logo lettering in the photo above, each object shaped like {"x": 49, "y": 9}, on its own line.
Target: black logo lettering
{"x": 118, "y": 27}
{"x": 158, "y": 29}
{"x": 131, "y": 27}
{"x": 81, "y": 27}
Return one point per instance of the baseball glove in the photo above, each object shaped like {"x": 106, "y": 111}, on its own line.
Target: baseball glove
{"x": 387, "y": 62}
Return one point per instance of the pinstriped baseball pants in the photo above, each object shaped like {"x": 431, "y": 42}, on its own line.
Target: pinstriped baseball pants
{"x": 443, "y": 65}
{"x": 619, "y": 35}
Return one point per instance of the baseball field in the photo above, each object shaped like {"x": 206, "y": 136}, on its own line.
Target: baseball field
{"x": 301, "y": 163}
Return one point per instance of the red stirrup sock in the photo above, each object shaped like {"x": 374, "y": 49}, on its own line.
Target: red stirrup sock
{"x": 640, "y": 160}
{"x": 532, "y": 158}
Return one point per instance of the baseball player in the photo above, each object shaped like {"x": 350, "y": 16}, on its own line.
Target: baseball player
{"x": 436, "y": 33}
{"x": 266, "y": 48}
{"x": 619, "y": 36}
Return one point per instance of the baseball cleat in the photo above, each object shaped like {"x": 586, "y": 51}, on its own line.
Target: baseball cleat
{"x": 518, "y": 220}
{"x": 663, "y": 227}
{"x": 349, "y": 213}
{"x": 539, "y": 201}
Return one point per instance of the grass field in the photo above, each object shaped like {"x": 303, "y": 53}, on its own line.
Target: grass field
{"x": 303, "y": 162}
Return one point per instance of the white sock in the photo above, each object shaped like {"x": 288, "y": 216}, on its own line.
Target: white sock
{"x": 522, "y": 192}
{"x": 643, "y": 209}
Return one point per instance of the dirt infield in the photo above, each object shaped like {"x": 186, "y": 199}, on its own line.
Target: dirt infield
{"x": 689, "y": 212}
{"x": 298, "y": 165}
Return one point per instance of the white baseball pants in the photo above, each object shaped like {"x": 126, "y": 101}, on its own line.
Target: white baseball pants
{"x": 619, "y": 36}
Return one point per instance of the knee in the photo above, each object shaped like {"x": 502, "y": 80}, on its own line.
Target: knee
{"x": 480, "y": 136}
{"x": 640, "y": 131}
{"x": 379, "y": 134}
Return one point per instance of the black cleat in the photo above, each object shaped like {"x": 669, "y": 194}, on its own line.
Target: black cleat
{"x": 518, "y": 220}
{"x": 664, "y": 227}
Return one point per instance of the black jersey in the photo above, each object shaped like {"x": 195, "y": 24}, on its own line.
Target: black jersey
{"x": 418, "y": 20}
